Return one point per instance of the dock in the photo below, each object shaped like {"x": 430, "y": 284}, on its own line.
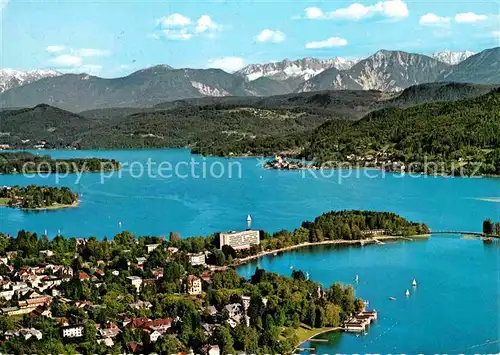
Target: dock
{"x": 360, "y": 322}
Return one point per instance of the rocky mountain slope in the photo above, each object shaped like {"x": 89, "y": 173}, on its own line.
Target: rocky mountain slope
{"x": 452, "y": 58}
{"x": 10, "y": 78}
{"x": 481, "y": 68}
{"x": 303, "y": 69}
{"x": 388, "y": 71}
{"x": 147, "y": 87}
{"x": 384, "y": 71}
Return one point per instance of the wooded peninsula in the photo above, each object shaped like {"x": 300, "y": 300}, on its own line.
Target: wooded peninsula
{"x": 28, "y": 163}
{"x": 34, "y": 197}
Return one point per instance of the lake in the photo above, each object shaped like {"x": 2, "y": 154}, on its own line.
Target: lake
{"x": 454, "y": 309}
{"x": 193, "y": 205}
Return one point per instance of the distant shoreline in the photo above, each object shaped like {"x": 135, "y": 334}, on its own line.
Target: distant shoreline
{"x": 56, "y": 206}
{"x": 373, "y": 240}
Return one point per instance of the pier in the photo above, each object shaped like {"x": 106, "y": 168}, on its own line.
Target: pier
{"x": 360, "y": 321}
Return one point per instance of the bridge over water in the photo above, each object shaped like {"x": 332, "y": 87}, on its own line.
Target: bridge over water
{"x": 467, "y": 233}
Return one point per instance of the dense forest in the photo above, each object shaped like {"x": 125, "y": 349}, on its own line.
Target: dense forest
{"x": 463, "y": 133}
{"x": 36, "y": 197}
{"x": 219, "y": 126}
{"x": 24, "y": 162}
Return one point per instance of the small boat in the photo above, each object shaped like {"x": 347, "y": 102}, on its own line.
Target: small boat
{"x": 414, "y": 283}
{"x": 357, "y": 278}
{"x": 291, "y": 267}
{"x": 407, "y": 293}
{"x": 275, "y": 254}
{"x": 392, "y": 298}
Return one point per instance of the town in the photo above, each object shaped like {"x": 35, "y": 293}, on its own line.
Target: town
{"x": 173, "y": 294}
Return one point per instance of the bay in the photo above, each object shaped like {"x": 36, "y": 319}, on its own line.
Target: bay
{"x": 454, "y": 308}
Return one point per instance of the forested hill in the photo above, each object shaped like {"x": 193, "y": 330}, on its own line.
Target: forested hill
{"x": 264, "y": 126}
{"x": 461, "y": 131}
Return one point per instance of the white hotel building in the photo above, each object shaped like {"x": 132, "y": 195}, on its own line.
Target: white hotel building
{"x": 239, "y": 240}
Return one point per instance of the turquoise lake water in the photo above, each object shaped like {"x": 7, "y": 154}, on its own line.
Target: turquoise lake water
{"x": 455, "y": 307}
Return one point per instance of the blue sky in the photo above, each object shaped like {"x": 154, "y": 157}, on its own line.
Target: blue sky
{"x": 113, "y": 38}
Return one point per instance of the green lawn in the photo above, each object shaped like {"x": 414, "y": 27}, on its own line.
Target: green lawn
{"x": 304, "y": 332}
{"x": 4, "y": 201}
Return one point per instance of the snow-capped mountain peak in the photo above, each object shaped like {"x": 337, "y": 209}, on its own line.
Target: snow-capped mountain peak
{"x": 452, "y": 58}
{"x": 303, "y": 69}
{"x": 10, "y": 78}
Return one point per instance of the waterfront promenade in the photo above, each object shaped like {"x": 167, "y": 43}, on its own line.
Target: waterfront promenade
{"x": 373, "y": 240}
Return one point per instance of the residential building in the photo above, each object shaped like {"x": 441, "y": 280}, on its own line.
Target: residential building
{"x": 151, "y": 247}
{"x": 239, "y": 240}
{"x": 211, "y": 350}
{"x": 136, "y": 282}
{"x": 73, "y": 331}
{"x": 193, "y": 285}
{"x": 153, "y": 336}
{"x": 246, "y": 302}
{"x": 196, "y": 259}
{"x": 161, "y": 325}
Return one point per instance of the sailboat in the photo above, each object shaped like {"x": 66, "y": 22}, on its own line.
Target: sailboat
{"x": 414, "y": 283}
{"x": 407, "y": 293}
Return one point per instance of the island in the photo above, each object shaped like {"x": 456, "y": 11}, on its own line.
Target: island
{"x": 34, "y": 197}
{"x": 169, "y": 295}
{"x": 28, "y": 163}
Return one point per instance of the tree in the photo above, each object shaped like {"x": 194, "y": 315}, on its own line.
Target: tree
{"x": 172, "y": 272}
{"x": 222, "y": 336}
{"x": 168, "y": 344}
{"x": 246, "y": 339}
{"x": 487, "y": 227}
{"x": 332, "y": 315}
{"x": 174, "y": 237}
{"x": 298, "y": 275}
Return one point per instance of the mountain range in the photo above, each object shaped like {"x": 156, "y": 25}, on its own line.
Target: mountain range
{"x": 385, "y": 70}
{"x": 10, "y": 78}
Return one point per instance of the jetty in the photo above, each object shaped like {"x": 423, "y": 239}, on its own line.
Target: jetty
{"x": 360, "y": 322}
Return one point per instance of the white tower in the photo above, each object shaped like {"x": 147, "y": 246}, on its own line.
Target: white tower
{"x": 249, "y": 221}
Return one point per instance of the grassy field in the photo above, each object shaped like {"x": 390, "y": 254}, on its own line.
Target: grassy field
{"x": 305, "y": 333}
{"x": 4, "y": 201}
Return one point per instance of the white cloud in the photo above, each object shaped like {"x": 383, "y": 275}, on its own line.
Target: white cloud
{"x": 229, "y": 64}
{"x": 433, "y": 19}
{"x": 394, "y": 9}
{"x": 328, "y": 43}
{"x": 177, "y": 35}
{"x": 272, "y": 36}
{"x": 66, "y": 60}
{"x": 179, "y": 27}
{"x": 91, "y": 52}
{"x": 354, "y": 11}
{"x": 469, "y": 17}
{"x": 205, "y": 23}
{"x": 496, "y": 34}
{"x": 314, "y": 13}
{"x": 54, "y": 49}
{"x": 174, "y": 20}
